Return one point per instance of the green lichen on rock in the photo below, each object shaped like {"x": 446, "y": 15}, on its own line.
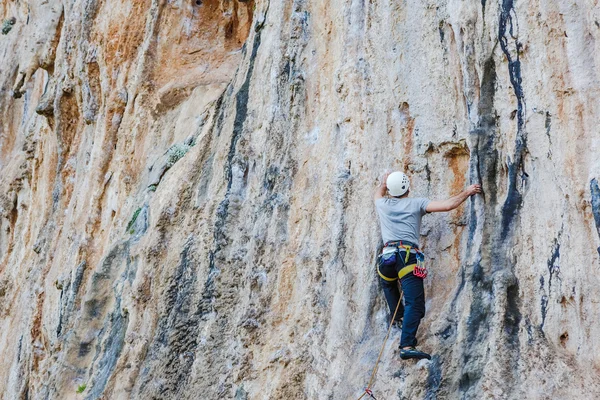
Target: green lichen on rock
{"x": 81, "y": 388}
{"x": 152, "y": 188}
{"x": 8, "y": 24}
{"x": 176, "y": 153}
{"x": 132, "y": 221}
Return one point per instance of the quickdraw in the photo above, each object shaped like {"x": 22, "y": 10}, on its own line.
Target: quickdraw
{"x": 420, "y": 270}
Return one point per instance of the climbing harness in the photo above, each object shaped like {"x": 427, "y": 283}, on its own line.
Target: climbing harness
{"x": 390, "y": 254}
{"x": 368, "y": 390}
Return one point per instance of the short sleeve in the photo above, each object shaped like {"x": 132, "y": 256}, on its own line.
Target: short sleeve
{"x": 423, "y": 203}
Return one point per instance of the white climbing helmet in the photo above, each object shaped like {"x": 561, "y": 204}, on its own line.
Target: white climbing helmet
{"x": 397, "y": 183}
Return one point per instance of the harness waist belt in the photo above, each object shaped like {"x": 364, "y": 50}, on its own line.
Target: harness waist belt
{"x": 402, "y": 243}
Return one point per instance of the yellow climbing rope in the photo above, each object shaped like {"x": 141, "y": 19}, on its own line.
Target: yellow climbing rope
{"x": 368, "y": 388}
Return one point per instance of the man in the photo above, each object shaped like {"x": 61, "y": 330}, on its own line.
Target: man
{"x": 400, "y": 221}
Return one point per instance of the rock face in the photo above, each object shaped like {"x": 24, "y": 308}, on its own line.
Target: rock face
{"x": 186, "y": 197}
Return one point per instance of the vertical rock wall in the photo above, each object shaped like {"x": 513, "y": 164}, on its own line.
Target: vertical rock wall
{"x": 186, "y": 197}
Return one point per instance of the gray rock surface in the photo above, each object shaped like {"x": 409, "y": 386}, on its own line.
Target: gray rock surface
{"x": 243, "y": 267}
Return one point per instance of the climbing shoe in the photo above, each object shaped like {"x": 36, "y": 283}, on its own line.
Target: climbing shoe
{"x": 412, "y": 352}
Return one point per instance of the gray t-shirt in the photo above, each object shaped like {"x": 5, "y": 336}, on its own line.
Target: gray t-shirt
{"x": 400, "y": 219}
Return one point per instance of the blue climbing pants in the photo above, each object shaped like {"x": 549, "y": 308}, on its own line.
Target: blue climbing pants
{"x": 413, "y": 309}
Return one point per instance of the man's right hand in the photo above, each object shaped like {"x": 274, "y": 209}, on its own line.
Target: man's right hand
{"x": 473, "y": 189}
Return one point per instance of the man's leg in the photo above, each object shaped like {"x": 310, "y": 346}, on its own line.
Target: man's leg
{"x": 414, "y": 309}
{"x": 392, "y": 296}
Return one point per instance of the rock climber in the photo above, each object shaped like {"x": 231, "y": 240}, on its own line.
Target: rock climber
{"x": 401, "y": 259}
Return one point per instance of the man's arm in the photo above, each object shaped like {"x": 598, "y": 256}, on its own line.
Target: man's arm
{"x": 454, "y": 201}
{"x": 381, "y": 189}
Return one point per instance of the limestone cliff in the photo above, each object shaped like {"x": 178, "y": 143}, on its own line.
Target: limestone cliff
{"x": 186, "y": 197}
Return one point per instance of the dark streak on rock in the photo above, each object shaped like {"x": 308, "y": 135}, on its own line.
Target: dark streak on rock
{"x": 480, "y": 311}
{"x": 447, "y": 333}
{"x": 285, "y": 72}
{"x": 19, "y": 349}
{"x": 483, "y": 169}
{"x": 109, "y": 350}
{"x": 206, "y": 174}
{"x": 84, "y": 349}
{"x": 223, "y": 208}
{"x": 512, "y": 319}
{"x": 553, "y": 270}
{"x": 461, "y": 285}
{"x": 60, "y": 314}
{"x": 544, "y": 303}
{"x": 434, "y": 378}
{"x": 595, "y": 193}
{"x": 241, "y": 105}
{"x": 270, "y": 178}
{"x": 220, "y": 110}
{"x": 492, "y": 256}
{"x": 177, "y": 334}
{"x": 68, "y": 297}
{"x": 206, "y": 302}
{"x": 486, "y": 155}
{"x": 553, "y": 267}
{"x": 467, "y": 380}
{"x": 548, "y": 125}
{"x": 94, "y": 306}
{"x": 505, "y": 33}
{"x": 544, "y": 310}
